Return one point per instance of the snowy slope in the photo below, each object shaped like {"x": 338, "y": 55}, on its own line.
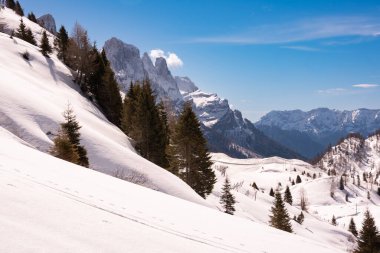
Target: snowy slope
{"x": 34, "y": 95}
{"x": 270, "y": 172}
{"x": 55, "y": 206}
{"x": 354, "y": 156}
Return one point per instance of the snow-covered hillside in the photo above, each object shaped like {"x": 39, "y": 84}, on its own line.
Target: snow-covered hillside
{"x": 277, "y": 173}
{"x": 34, "y": 95}
{"x": 354, "y": 156}
{"x": 55, "y": 206}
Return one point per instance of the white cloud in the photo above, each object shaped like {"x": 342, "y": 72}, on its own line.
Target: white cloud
{"x": 172, "y": 59}
{"x": 302, "y": 48}
{"x": 365, "y": 85}
{"x": 332, "y": 91}
{"x": 302, "y": 30}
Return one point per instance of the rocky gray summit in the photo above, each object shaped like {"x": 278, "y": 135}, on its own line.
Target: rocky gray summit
{"x": 47, "y": 21}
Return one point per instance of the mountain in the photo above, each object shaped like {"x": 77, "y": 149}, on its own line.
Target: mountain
{"x": 225, "y": 129}
{"x": 130, "y": 67}
{"x": 354, "y": 155}
{"x": 316, "y": 129}
{"x": 48, "y": 22}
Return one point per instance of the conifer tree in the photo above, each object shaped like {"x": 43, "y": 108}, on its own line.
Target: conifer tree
{"x": 45, "y": 45}
{"x": 300, "y": 218}
{"x": 192, "y": 160}
{"x": 280, "y": 217}
{"x": 30, "y": 37}
{"x": 25, "y": 33}
{"x": 227, "y": 199}
{"x": 64, "y": 149}
{"x": 352, "y": 227}
{"x": 18, "y": 9}
{"x": 21, "y": 30}
{"x": 61, "y": 43}
{"x": 10, "y": 4}
{"x": 271, "y": 192}
{"x": 368, "y": 240}
{"x": 71, "y": 127}
{"x": 255, "y": 186}
{"x": 129, "y": 108}
{"x": 32, "y": 17}
{"x": 288, "y": 196}
{"x": 333, "y": 221}
{"x": 298, "y": 179}
{"x": 341, "y": 184}
{"x": 378, "y": 191}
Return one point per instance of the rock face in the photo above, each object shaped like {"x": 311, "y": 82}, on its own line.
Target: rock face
{"x": 226, "y": 130}
{"x": 185, "y": 85}
{"x": 130, "y": 67}
{"x": 318, "y": 128}
{"x": 47, "y": 21}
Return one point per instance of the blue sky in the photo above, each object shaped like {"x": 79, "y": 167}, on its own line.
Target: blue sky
{"x": 260, "y": 55}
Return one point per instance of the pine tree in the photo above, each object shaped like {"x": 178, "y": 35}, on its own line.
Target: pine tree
{"x": 129, "y": 108}
{"x": 61, "y": 43}
{"x": 333, "y": 221}
{"x": 227, "y": 199}
{"x": 192, "y": 160}
{"x": 32, "y": 17}
{"x": 280, "y": 218}
{"x": 271, "y": 192}
{"x": 64, "y": 149}
{"x": 25, "y": 33}
{"x": 298, "y": 179}
{"x": 255, "y": 186}
{"x": 352, "y": 227}
{"x": 45, "y": 45}
{"x": 71, "y": 127}
{"x": 288, "y": 196}
{"x": 341, "y": 184}
{"x": 18, "y": 9}
{"x": 300, "y": 218}
{"x": 368, "y": 241}
{"x": 21, "y": 31}
{"x": 10, "y": 4}
{"x": 30, "y": 37}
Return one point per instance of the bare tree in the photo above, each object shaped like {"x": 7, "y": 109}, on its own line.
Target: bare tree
{"x": 303, "y": 199}
{"x": 79, "y": 54}
{"x": 332, "y": 187}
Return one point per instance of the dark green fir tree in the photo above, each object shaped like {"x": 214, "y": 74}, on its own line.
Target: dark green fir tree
{"x": 227, "y": 199}
{"x": 61, "y": 43}
{"x": 192, "y": 161}
{"x": 288, "y": 196}
{"x": 368, "y": 240}
{"x": 71, "y": 127}
{"x": 32, "y": 17}
{"x": 280, "y": 218}
{"x": 352, "y": 227}
{"x": 45, "y": 45}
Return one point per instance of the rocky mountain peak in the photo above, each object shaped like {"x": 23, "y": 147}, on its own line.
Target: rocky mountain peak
{"x": 47, "y": 21}
{"x": 185, "y": 85}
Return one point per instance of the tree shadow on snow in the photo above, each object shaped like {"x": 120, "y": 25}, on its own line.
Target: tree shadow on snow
{"x": 52, "y": 68}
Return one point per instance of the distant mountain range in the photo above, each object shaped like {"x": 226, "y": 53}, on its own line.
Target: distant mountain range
{"x": 225, "y": 129}
{"x": 310, "y": 133}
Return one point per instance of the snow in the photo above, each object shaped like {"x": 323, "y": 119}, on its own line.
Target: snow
{"x": 53, "y": 205}
{"x": 268, "y": 173}
{"x": 34, "y": 95}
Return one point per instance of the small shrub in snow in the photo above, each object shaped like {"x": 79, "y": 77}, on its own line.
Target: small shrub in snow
{"x": 26, "y": 55}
